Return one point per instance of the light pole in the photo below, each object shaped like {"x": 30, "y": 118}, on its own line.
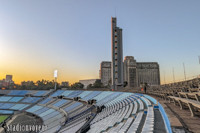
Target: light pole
{"x": 55, "y": 76}
{"x": 199, "y": 62}
{"x": 173, "y": 74}
{"x": 164, "y": 77}
{"x": 184, "y": 70}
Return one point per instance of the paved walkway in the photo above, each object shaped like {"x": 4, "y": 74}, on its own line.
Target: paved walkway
{"x": 181, "y": 120}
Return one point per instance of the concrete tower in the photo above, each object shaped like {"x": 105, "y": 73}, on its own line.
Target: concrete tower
{"x": 117, "y": 55}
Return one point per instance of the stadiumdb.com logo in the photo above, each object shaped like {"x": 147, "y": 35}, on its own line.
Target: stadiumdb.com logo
{"x": 26, "y": 128}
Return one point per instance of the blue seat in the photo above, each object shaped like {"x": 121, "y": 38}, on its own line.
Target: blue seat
{"x": 45, "y": 101}
{"x": 91, "y": 95}
{"x": 34, "y": 108}
{"x": 50, "y": 115}
{"x": 30, "y": 99}
{"x": 74, "y": 94}
{"x": 35, "y": 99}
{"x": 57, "y": 93}
{"x": 73, "y": 106}
{"x": 66, "y": 93}
{"x": 102, "y": 95}
{"x": 4, "y": 99}
{"x": 60, "y": 103}
{"x": 41, "y": 110}
{"x": 46, "y": 112}
{"x": 40, "y": 93}
{"x": 6, "y": 105}
{"x": 18, "y": 92}
{"x": 109, "y": 98}
{"x": 15, "y": 99}
{"x": 19, "y": 106}
{"x": 6, "y": 112}
{"x": 84, "y": 93}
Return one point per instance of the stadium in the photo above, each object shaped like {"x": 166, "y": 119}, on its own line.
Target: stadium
{"x": 132, "y": 92}
{"x": 163, "y": 109}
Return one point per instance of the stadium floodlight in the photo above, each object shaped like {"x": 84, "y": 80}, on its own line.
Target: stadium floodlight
{"x": 55, "y": 76}
{"x": 184, "y": 70}
{"x": 55, "y": 73}
{"x": 173, "y": 74}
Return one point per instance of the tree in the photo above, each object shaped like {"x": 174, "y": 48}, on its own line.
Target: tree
{"x": 89, "y": 86}
{"x": 77, "y": 85}
{"x": 64, "y": 85}
{"x": 98, "y": 84}
{"x": 45, "y": 84}
{"x": 28, "y": 85}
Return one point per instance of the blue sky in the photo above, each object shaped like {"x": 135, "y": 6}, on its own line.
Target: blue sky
{"x": 74, "y": 36}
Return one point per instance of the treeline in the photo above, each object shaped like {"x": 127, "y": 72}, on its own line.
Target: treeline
{"x": 38, "y": 85}
{"x": 46, "y": 85}
{"x": 97, "y": 84}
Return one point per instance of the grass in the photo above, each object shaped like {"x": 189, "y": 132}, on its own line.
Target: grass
{"x": 3, "y": 117}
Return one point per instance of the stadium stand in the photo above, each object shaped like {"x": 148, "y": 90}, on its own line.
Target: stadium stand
{"x": 186, "y": 94}
{"x": 71, "y": 111}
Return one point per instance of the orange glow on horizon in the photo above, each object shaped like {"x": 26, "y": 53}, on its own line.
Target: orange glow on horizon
{"x": 33, "y": 70}
{"x": 18, "y": 78}
{"x": 71, "y": 81}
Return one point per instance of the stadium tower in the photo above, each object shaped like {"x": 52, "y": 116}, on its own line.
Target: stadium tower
{"x": 117, "y": 55}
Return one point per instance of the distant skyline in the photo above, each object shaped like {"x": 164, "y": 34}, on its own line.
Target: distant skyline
{"x": 37, "y": 37}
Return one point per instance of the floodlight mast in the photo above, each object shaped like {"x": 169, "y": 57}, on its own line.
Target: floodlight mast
{"x": 184, "y": 70}
{"x": 55, "y": 76}
{"x": 173, "y": 74}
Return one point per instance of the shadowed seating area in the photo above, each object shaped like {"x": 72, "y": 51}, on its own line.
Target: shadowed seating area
{"x": 84, "y": 111}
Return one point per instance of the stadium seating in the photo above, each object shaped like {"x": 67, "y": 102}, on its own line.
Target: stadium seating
{"x": 111, "y": 112}
{"x": 188, "y": 102}
{"x": 186, "y": 94}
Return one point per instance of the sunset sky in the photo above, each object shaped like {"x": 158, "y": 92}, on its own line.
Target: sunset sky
{"x": 74, "y": 36}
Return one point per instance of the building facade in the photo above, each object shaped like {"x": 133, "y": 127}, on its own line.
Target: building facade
{"x": 117, "y": 55}
{"x": 105, "y": 72}
{"x": 130, "y": 71}
{"x": 9, "y": 78}
{"x": 7, "y": 83}
{"x": 86, "y": 82}
{"x": 148, "y": 72}
{"x": 138, "y": 73}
